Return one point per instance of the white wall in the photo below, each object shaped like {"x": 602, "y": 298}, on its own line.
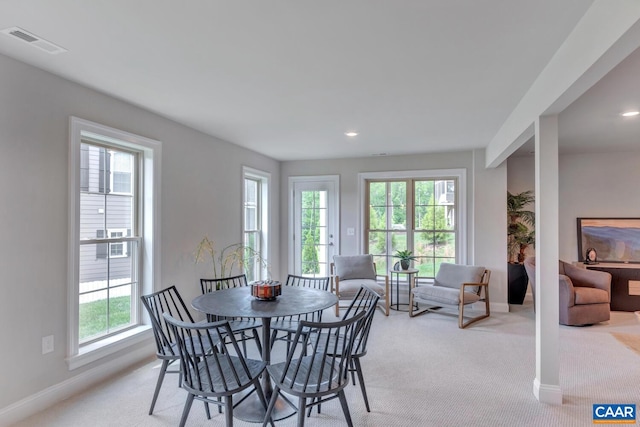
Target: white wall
{"x": 487, "y": 230}
{"x": 201, "y": 191}
{"x": 596, "y": 185}
{"x": 591, "y": 185}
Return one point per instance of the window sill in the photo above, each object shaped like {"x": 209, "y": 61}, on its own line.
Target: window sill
{"x": 108, "y": 346}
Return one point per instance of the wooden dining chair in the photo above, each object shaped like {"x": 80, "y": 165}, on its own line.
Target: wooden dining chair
{"x": 240, "y": 326}
{"x": 214, "y": 377}
{"x": 365, "y": 301}
{"x": 283, "y": 328}
{"x": 165, "y": 301}
{"x": 316, "y": 366}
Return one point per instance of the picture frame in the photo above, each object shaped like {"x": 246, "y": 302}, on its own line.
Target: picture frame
{"x": 615, "y": 240}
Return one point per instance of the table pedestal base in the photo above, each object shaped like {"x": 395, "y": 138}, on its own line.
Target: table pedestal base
{"x": 252, "y": 411}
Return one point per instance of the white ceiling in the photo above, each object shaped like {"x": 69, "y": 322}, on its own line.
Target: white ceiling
{"x": 287, "y": 78}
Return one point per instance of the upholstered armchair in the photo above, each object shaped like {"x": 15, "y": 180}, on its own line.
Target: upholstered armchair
{"x": 350, "y": 272}
{"x": 454, "y": 286}
{"x": 585, "y": 295}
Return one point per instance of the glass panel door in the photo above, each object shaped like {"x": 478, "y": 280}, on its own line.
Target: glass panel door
{"x": 314, "y": 232}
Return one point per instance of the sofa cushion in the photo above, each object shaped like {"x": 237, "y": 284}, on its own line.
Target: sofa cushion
{"x": 349, "y": 288}
{"x": 454, "y": 275}
{"x": 354, "y": 267}
{"x": 590, "y": 296}
{"x": 443, "y": 295}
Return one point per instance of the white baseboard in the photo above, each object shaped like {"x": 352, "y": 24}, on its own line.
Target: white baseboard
{"x": 61, "y": 391}
{"x": 499, "y": 307}
{"x": 547, "y": 393}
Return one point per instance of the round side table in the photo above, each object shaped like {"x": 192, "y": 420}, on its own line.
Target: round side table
{"x": 410, "y": 273}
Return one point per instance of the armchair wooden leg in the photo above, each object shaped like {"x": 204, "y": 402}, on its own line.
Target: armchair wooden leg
{"x": 410, "y": 303}
{"x": 386, "y": 304}
{"x": 462, "y": 324}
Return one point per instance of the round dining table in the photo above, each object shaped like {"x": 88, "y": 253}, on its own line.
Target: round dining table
{"x": 238, "y": 302}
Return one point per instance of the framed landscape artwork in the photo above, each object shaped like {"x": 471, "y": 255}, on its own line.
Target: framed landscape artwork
{"x": 614, "y": 239}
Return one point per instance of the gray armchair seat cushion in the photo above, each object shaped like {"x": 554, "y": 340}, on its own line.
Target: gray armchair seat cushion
{"x": 349, "y": 288}
{"x": 443, "y": 295}
{"x": 590, "y": 296}
{"x": 354, "y": 267}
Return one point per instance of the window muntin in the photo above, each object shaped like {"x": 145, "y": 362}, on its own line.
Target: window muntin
{"x": 418, "y": 214}
{"x": 108, "y": 268}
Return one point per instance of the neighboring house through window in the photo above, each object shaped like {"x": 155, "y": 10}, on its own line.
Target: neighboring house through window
{"x": 111, "y": 225}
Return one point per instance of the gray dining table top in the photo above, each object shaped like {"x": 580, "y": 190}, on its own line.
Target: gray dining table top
{"x": 238, "y": 302}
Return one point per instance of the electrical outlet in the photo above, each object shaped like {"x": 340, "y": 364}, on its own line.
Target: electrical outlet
{"x": 47, "y": 344}
{"x": 351, "y": 231}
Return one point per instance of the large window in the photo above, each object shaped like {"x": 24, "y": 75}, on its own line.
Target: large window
{"x": 415, "y": 213}
{"x": 114, "y": 184}
{"x": 109, "y": 240}
{"x": 255, "y": 223}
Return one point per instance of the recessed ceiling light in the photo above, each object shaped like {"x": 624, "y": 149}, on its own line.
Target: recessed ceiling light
{"x": 351, "y": 133}
{"x": 631, "y": 113}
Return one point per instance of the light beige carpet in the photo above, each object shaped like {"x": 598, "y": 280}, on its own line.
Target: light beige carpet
{"x": 422, "y": 371}
{"x": 631, "y": 341}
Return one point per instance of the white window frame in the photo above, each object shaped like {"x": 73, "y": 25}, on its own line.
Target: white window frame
{"x": 149, "y": 222}
{"x": 263, "y": 214}
{"x": 461, "y": 208}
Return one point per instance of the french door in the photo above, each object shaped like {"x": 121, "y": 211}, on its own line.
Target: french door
{"x": 313, "y": 233}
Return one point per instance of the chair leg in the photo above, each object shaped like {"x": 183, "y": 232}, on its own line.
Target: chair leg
{"x": 187, "y": 408}
{"x": 243, "y": 338}
{"x": 257, "y": 340}
{"x": 263, "y": 400}
{"x": 206, "y": 410}
{"x": 352, "y": 369}
{"x": 272, "y": 403}
{"x": 228, "y": 410}
{"x": 361, "y": 380}
{"x": 302, "y": 408}
{"x": 462, "y": 324}
{"x": 345, "y": 407}
{"x": 411, "y": 303}
{"x": 289, "y": 342}
{"x": 338, "y": 309}
{"x": 163, "y": 370}
{"x": 386, "y": 304}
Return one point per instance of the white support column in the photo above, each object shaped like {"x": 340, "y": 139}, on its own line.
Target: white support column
{"x": 546, "y": 386}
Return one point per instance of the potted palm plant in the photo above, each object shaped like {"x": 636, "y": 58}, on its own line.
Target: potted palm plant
{"x": 405, "y": 257}
{"x": 521, "y": 235}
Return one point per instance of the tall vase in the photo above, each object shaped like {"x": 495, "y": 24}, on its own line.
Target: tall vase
{"x": 518, "y": 282}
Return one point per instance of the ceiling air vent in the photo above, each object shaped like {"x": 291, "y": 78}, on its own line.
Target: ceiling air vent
{"x": 33, "y": 40}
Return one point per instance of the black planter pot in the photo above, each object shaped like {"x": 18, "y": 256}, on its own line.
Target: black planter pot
{"x": 405, "y": 263}
{"x": 518, "y": 282}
